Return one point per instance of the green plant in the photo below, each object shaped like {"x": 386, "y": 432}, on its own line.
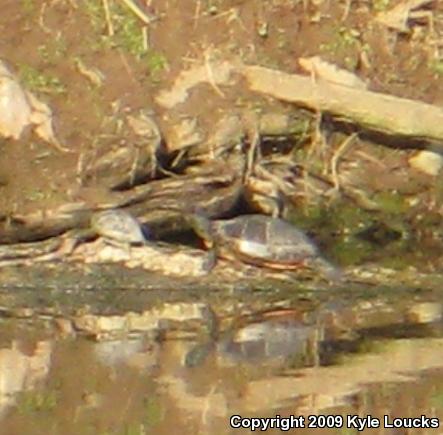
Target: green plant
{"x": 381, "y": 5}
{"x": 28, "y": 6}
{"x": 156, "y": 62}
{"x": 35, "y": 80}
{"x": 31, "y": 402}
{"x": 52, "y": 52}
{"x": 436, "y": 66}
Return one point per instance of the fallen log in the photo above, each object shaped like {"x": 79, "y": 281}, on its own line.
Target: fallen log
{"x": 375, "y": 111}
{"x": 158, "y": 204}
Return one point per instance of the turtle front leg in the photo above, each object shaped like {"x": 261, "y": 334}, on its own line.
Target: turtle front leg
{"x": 123, "y": 246}
{"x": 210, "y": 261}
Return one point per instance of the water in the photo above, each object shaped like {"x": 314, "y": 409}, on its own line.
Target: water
{"x": 374, "y": 355}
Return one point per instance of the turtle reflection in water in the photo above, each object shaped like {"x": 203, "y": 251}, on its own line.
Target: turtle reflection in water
{"x": 262, "y": 241}
{"x": 118, "y": 227}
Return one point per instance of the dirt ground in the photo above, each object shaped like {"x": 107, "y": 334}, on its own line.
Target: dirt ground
{"x": 45, "y": 42}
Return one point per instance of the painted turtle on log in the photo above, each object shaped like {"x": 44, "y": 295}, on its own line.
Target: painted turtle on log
{"x": 118, "y": 226}
{"x": 262, "y": 241}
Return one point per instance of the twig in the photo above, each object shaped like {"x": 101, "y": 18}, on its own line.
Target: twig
{"x": 137, "y": 11}
{"x": 211, "y": 79}
{"x": 177, "y": 159}
{"x": 145, "y": 38}
{"x": 134, "y": 167}
{"x": 197, "y": 12}
{"x": 254, "y": 143}
{"x": 108, "y": 18}
{"x": 337, "y": 155}
{"x": 126, "y": 66}
{"x": 41, "y": 19}
{"x": 346, "y": 11}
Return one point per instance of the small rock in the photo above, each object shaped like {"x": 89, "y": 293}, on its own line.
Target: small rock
{"x": 427, "y": 162}
{"x": 425, "y": 312}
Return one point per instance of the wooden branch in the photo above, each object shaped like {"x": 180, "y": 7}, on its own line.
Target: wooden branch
{"x": 374, "y": 111}
{"x": 215, "y": 188}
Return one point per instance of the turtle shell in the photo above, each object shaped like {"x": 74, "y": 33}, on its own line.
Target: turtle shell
{"x": 118, "y": 225}
{"x": 264, "y": 240}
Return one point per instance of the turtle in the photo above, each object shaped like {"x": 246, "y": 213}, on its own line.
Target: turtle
{"x": 261, "y": 240}
{"x": 118, "y": 226}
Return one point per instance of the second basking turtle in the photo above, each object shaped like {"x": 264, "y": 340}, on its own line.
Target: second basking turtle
{"x": 118, "y": 226}
{"x": 262, "y": 241}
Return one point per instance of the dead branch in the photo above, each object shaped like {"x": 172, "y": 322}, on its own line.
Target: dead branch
{"x": 375, "y": 111}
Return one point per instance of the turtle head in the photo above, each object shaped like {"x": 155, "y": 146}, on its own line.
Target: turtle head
{"x": 202, "y": 227}
{"x": 329, "y": 271}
